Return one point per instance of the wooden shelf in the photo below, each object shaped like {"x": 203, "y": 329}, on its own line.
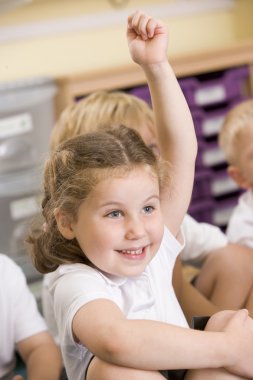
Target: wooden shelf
{"x": 72, "y": 87}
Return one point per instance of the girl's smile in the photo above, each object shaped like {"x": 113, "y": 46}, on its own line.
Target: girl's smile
{"x": 134, "y": 254}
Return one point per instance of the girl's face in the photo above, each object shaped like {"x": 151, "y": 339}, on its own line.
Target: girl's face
{"x": 120, "y": 224}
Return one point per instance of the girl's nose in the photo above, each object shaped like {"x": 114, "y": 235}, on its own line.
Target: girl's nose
{"x": 134, "y": 229}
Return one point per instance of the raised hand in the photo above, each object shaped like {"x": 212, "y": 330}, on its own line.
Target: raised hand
{"x": 147, "y": 39}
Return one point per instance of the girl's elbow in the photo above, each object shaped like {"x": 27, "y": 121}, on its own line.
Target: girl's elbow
{"x": 114, "y": 346}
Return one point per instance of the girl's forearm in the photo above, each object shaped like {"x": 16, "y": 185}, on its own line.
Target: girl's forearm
{"x": 153, "y": 345}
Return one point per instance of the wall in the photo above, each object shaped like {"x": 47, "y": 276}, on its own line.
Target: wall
{"x": 74, "y": 49}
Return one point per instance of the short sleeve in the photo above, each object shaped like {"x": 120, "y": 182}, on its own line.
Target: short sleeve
{"x": 200, "y": 239}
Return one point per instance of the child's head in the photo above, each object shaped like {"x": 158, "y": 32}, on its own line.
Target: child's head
{"x": 92, "y": 184}
{"x": 236, "y": 140}
{"x": 100, "y": 109}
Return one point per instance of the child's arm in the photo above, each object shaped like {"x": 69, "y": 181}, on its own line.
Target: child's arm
{"x": 152, "y": 345}
{"x": 147, "y": 39}
{"x": 41, "y": 356}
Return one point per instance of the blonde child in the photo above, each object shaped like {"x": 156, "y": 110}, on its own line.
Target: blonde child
{"x": 236, "y": 140}
{"x": 113, "y": 212}
{"x": 23, "y": 329}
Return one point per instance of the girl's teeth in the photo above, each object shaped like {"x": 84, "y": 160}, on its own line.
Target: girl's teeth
{"x": 137, "y": 252}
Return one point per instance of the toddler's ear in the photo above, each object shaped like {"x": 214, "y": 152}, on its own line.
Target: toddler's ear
{"x": 238, "y": 177}
{"x": 64, "y": 224}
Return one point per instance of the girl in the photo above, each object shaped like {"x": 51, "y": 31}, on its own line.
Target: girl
{"x": 113, "y": 212}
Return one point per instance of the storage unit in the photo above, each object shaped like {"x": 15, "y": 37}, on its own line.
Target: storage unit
{"x": 210, "y": 96}
{"x": 215, "y": 88}
{"x": 20, "y": 195}
{"x": 208, "y": 120}
{"x": 26, "y": 120}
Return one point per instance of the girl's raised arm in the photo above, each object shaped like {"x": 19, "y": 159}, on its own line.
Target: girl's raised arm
{"x": 147, "y": 40}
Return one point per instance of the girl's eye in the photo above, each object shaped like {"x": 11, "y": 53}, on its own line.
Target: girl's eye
{"x": 114, "y": 214}
{"x": 148, "y": 209}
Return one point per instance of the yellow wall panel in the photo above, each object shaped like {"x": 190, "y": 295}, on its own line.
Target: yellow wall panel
{"x": 78, "y": 51}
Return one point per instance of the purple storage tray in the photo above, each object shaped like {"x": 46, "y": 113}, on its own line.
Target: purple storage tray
{"x": 141, "y": 92}
{"x": 222, "y": 184}
{"x": 202, "y": 210}
{"x": 209, "y": 155}
{"x": 214, "y": 91}
{"x": 213, "y": 211}
{"x": 201, "y": 185}
{"x": 223, "y": 209}
{"x": 209, "y": 122}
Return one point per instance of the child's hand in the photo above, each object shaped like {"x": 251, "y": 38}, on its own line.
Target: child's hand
{"x": 147, "y": 39}
{"x": 238, "y": 327}
{"x": 241, "y": 326}
{"x": 18, "y": 377}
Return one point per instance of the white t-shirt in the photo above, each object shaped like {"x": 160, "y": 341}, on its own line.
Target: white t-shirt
{"x": 19, "y": 316}
{"x": 240, "y": 226}
{"x": 148, "y": 296}
{"x": 200, "y": 240}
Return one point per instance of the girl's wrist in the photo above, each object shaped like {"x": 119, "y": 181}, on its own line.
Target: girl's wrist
{"x": 228, "y": 355}
{"x": 158, "y": 71}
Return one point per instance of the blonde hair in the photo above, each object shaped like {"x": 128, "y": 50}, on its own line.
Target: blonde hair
{"x": 70, "y": 174}
{"x": 236, "y": 122}
{"x": 97, "y": 111}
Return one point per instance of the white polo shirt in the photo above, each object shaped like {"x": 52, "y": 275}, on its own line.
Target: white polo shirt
{"x": 200, "y": 240}
{"x": 240, "y": 226}
{"x": 148, "y": 296}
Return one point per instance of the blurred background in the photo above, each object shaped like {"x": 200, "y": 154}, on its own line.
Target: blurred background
{"x": 61, "y": 37}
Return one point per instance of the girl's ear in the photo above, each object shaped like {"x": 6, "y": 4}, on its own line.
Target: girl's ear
{"x": 235, "y": 173}
{"x": 64, "y": 224}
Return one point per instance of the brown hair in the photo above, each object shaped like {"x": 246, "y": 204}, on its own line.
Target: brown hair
{"x": 70, "y": 173}
{"x": 97, "y": 111}
{"x": 236, "y": 122}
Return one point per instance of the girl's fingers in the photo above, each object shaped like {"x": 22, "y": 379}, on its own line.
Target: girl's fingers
{"x": 154, "y": 27}
{"x": 129, "y": 20}
{"x": 151, "y": 26}
{"x": 135, "y": 20}
{"x": 138, "y": 22}
{"x": 143, "y": 26}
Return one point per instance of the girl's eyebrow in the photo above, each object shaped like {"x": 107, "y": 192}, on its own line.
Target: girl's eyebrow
{"x": 117, "y": 203}
{"x": 155, "y": 196}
